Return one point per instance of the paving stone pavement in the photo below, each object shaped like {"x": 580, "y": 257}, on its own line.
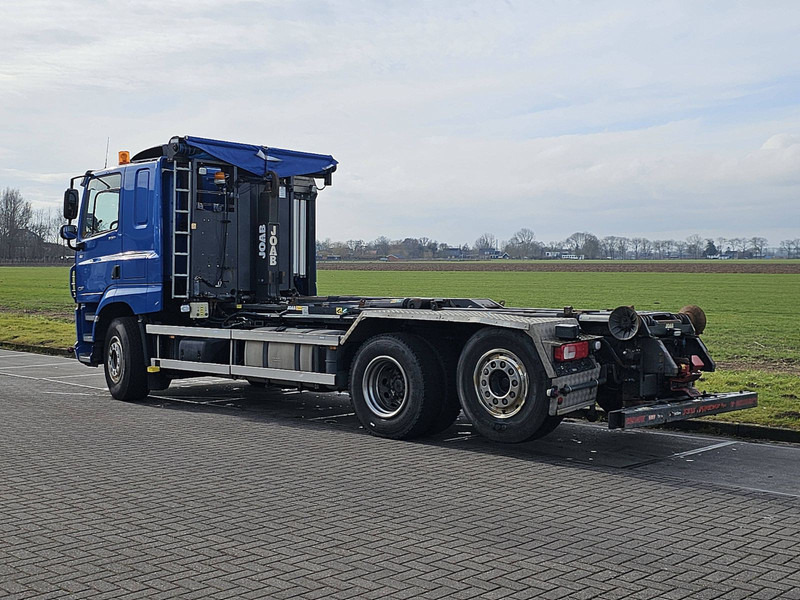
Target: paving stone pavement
{"x": 104, "y": 499}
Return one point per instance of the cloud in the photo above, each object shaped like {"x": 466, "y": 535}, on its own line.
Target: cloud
{"x": 449, "y": 119}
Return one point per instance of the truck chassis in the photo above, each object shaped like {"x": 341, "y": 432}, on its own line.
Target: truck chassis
{"x": 221, "y": 280}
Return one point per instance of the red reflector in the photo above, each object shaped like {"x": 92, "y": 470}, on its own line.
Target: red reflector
{"x": 697, "y": 362}
{"x": 572, "y": 351}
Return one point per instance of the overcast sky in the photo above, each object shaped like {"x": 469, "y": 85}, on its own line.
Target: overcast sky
{"x": 449, "y": 119}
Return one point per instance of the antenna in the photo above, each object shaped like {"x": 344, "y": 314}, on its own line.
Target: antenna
{"x": 108, "y": 140}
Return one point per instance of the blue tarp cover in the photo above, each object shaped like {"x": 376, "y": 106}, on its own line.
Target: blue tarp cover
{"x": 260, "y": 159}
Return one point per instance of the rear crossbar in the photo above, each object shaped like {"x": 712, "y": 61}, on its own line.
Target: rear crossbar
{"x": 668, "y": 412}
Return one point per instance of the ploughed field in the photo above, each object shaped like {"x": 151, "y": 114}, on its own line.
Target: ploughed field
{"x": 753, "y": 317}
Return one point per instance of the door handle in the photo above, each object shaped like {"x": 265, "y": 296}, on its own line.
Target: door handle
{"x": 115, "y": 272}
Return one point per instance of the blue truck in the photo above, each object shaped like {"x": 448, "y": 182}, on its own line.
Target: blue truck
{"x": 197, "y": 257}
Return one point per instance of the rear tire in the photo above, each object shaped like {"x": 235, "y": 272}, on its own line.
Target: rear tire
{"x": 447, "y": 361}
{"x": 502, "y": 386}
{"x": 126, "y": 373}
{"x": 549, "y": 426}
{"x": 395, "y": 386}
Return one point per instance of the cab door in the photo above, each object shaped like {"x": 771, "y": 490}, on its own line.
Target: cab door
{"x": 97, "y": 264}
{"x": 138, "y": 242}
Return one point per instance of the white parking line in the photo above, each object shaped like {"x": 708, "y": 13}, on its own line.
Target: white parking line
{"x": 32, "y": 355}
{"x": 95, "y": 374}
{"x": 330, "y": 417}
{"x": 704, "y": 449}
{"x": 459, "y": 438}
{"x": 58, "y": 364}
{"x": 195, "y": 402}
{"x": 91, "y": 387}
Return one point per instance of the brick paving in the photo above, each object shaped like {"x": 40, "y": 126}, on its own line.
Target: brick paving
{"x": 103, "y": 499}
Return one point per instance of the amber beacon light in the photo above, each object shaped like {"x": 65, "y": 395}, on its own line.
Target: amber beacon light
{"x": 124, "y": 157}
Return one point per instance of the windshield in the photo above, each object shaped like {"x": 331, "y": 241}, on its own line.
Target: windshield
{"x": 101, "y": 206}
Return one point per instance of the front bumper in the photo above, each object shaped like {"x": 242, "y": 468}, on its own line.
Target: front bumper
{"x": 665, "y": 411}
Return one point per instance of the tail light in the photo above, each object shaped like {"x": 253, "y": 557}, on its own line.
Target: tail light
{"x": 571, "y": 351}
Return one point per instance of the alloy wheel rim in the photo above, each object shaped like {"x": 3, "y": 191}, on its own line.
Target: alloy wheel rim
{"x": 501, "y": 383}
{"x": 385, "y": 387}
{"x": 115, "y": 360}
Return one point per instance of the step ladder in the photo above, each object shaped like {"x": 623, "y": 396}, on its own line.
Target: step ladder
{"x": 182, "y": 182}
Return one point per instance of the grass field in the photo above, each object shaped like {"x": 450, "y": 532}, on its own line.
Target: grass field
{"x": 752, "y": 332}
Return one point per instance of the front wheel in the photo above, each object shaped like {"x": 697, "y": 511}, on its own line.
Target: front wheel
{"x": 502, "y": 386}
{"x": 395, "y": 386}
{"x": 126, "y": 373}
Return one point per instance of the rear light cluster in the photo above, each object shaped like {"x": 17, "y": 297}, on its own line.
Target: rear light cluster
{"x": 571, "y": 351}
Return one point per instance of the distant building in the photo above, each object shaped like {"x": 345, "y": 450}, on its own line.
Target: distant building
{"x": 452, "y": 253}
{"x": 493, "y": 253}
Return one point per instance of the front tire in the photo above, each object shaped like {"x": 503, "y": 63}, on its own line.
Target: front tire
{"x": 395, "y": 386}
{"x": 126, "y": 373}
{"x": 502, "y": 386}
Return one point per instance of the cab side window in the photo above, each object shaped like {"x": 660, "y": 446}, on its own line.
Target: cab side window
{"x": 101, "y": 208}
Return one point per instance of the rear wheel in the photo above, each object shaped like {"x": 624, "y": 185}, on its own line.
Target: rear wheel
{"x": 447, "y": 361}
{"x": 126, "y": 373}
{"x": 502, "y": 385}
{"x": 549, "y": 426}
{"x": 395, "y": 386}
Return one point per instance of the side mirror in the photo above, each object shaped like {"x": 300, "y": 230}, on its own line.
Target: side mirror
{"x": 68, "y": 232}
{"x": 71, "y": 199}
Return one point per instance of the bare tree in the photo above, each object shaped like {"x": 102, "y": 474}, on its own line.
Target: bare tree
{"x": 355, "y": 247}
{"x": 591, "y": 246}
{"x": 324, "y": 245}
{"x": 667, "y": 248}
{"x": 694, "y": 245}
{"x": 608, "y": 246}
{"x": 523, "y": 244}
{"x": 45, "y": 223}
{"x": 791, "y": 247}
{"x": 622, "y": 246}
{"x": 758, "y": 244}
{"x": 576, "y": 241}
{"x": 636, "y": 247}
{"x": 412, "y": 247}
{"x": 382, "y": 245}
{"x": 15, "y": 216}
{"x": 486, "y": 242}
{"x": 739, "y": 245}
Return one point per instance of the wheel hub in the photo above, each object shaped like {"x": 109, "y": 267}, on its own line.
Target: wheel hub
{"x": 501, "y": 383}
{"x": 385, "y": 387}
{"x": 115, "y": 359}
